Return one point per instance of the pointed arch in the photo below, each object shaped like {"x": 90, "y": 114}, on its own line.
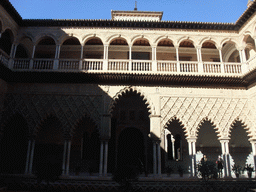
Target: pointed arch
{"x": 79, "y": 120}
{"x": 243, "y": 123}
{"x": 240, "y": 146}
{"x": 175, "y": 140}
{"x": 207, "y": 139}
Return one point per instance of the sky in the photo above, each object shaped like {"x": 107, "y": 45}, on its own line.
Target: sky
{"x": 221, "y": 11}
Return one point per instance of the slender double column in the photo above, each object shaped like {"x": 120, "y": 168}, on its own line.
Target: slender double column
{"x": 103, "y": 168}
{"x": 66, "y": 157}
{"x": 226, "y": 157}
{"x": 253, "y": 142}
{"x": 192, "y": 156}
{"x": 30, "y": 156}
{"x": 156, "y": 158}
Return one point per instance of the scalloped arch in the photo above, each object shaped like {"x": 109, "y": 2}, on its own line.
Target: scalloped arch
{"x": 229, "y": 129}
{"x": 72, "y": 130}
{"x": 197, "y": 128}
{"x": 31, "y": 126}
{"x": 174, "y": 118}
{"x": 41, "y": 122}
{"x": 129, "y": 89}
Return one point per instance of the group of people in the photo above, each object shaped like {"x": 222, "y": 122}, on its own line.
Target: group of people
{"x": 219, "y": 164}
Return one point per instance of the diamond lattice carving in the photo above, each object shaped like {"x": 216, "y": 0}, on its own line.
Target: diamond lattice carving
{"x": 68, "y": 109}
{"x": 222, "y": 112}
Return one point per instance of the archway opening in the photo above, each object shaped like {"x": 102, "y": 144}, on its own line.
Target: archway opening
{"x": 93, "y": 49}
{"x": 70, "y": 49}
{"x": 187, "y": 51}
{"x": 118, "y": 49}
{"x": 141, "y": 50}
{"x": 14, "y": 145}
{"x": 207, "y": 141}
{"x": 239, "y": 144}
{"x": 210, "y": 52}
{"x": 21, "y": 52}
{"x": 230, "y": 52}
{"x": 46, "y": 48}
{"x": 165, "y": 50}
{"x": 85, "y": 148}
{"x": 49, "y": 145}
{"x": 176, "y": 146}
{"x": 130, "y": 114}
{"x": 6, "y": 41}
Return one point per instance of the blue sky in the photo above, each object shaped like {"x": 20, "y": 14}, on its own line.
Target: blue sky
{"x": 226, "y": 11}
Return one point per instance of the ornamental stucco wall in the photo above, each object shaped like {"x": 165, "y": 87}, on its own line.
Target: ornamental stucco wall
{"x": 69, "y": 103}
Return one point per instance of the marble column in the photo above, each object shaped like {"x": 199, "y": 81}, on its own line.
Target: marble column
{"x": 130, "y": 58}
{"x": 31, "y": 156}
{"x": 253, "y": 143}
{"x": 103, "y": 167}
{"x": 192, "y": 156}
{"x": 226, "y": 157}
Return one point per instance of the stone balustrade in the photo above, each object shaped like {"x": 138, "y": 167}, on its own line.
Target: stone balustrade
{"x": 135, "y": 66}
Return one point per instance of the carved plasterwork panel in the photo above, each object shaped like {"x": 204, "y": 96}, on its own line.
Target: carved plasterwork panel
{"x": 222, "y": 112}
{"x": 68, "y": 109}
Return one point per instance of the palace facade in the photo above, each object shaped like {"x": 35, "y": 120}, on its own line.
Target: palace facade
{"x": 96, "y": 94}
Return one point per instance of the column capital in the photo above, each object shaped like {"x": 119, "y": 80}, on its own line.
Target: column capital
{"x": 219, "y": 48}
{"x": 240, "y": 48}
{"x": 191, "y": 139}
{"x": 224, "y": 140}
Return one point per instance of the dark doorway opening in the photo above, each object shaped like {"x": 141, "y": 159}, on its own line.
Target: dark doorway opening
{"x": 131, "y": 149}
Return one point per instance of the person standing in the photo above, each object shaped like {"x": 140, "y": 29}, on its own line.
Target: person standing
{"x": 219, "y": 163}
